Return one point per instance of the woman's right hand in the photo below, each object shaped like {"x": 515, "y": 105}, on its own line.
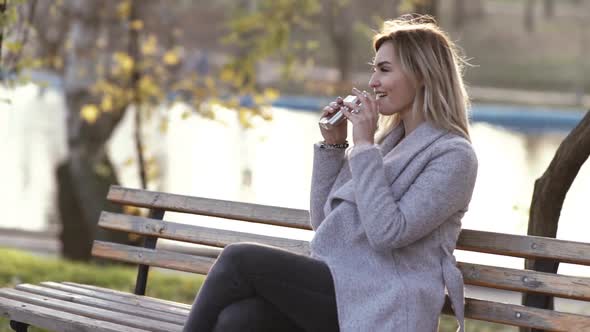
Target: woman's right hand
{"x": 336, "y": 134}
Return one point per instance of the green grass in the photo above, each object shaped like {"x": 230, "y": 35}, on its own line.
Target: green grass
{"x": 20, "y": 267}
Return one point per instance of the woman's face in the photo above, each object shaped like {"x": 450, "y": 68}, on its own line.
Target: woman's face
{"x": 395, "y": 91}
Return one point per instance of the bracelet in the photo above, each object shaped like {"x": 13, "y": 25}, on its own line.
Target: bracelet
{"x": 324, "y": 145}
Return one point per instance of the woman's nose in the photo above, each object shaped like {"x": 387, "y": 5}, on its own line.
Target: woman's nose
{"x": 373, "y": 82}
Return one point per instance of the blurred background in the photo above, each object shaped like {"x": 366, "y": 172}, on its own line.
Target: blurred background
{"x": 221, "y": 99}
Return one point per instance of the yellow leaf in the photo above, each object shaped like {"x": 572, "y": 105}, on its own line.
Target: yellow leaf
{"x": 124, "y": 9}
{"x": 128, "y": 209}
{"x": 258, "y": 99}
{"x": 68, "y": 45}
{"x": 185, "y": 115}
{"x": 271, "y": 94}
{"x": 266, "y": 115}
{"x": 107, "y": 103}
{"x": 312, "y": 45}
{"x": 128, "y": 162}
{"x": 164, "y": 126}
{"x": 226, "y": 75}
{"x": 150, "y": 45}
{"x": 233, "y": 102}
{"x": 152, "y": 172}
{"x": 137, "y": 25}
{"x": 148, "y": 87}
{"x": 102, "y": 170}
{"x": 89, "y": 113}
{"x": 58, "y": 62}
{"x": 171, "y": 58}
{"x": 210, "y": 82}
{"x": 124, "y": 61}
{"x": 13, "y": 47}
{"x": 244, "y": 116}
{"x": 36, "y": 63}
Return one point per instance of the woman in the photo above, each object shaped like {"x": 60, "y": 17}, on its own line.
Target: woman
{"x": 387, "y": 213}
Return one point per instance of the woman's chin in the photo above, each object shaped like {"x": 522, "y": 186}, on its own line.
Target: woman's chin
{"x": 384, "y": 110}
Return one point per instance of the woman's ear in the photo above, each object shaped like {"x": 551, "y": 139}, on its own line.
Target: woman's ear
{"x": 419, "y": 82}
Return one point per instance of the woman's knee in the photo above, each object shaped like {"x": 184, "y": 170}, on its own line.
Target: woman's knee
{"x": 237, "y": 252}
{"x": 252, "y": 314}
{"x": 239, "y": 316}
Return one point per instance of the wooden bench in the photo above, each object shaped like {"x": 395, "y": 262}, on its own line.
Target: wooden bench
{"x": 65, "y": 306}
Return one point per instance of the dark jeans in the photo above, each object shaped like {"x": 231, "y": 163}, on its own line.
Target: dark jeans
{"x": 259, "y": 288}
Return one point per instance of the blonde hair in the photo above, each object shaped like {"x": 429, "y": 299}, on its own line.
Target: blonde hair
{"x": 426, "y": 53}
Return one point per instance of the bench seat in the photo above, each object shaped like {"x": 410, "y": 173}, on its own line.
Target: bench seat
{"x": 66, "y": 306}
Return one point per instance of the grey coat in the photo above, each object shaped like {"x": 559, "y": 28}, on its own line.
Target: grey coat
{"x": 387, "y": 218}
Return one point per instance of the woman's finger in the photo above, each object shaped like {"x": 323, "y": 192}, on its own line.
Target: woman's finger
{"x": 349, "y": 115}
{"x": 334, "y": 105}
{"x": 328, "y": 110}
{"x": 370, "y": 102}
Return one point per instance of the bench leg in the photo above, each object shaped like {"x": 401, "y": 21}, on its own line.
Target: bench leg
{"x": 18, "y": 326}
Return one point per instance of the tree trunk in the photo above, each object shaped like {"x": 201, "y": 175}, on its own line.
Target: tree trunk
{"x": 343, "y": 58}
{"x": 84, "y": 178}
{"x": 549, "y": 8}
{"x": 429, "y": 7}
{"x": 2, "y": 11}
{"x": 548, "y": 196}
{"x": 459, "y": 14}
{"x": 395, "y": 8}
{"x": 480, "y": 10}
{"x": 133, "y": 49}
{"x": 81, "y": 198}
{"x": 529, "y": 15}
{"x": 341, "y": 36}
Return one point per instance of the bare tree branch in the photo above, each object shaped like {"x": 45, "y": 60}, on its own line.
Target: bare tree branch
{"x": 549, "y": 195}
{"x": 13, "y": 60}
{"x": 3, "y": 4}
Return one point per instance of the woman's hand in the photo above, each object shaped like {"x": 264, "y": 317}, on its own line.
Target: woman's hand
{"x": 336, "y": 134}
{"x": 363, "y": 118}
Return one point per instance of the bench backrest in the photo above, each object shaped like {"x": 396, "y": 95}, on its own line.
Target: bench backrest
{"x": 211, "y": 242}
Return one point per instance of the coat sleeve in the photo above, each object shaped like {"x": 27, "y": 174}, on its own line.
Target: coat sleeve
{"x": 441, "y": 189}
{"x": 326, "y": 166}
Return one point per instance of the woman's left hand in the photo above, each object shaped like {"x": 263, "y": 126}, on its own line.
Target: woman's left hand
{"x": 363, "y": 118}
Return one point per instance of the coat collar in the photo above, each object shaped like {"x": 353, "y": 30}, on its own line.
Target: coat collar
{"x": 405, "y": 150}
{"x": 397, "y": 153}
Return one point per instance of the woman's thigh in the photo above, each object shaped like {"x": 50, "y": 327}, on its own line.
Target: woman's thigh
{"x": 299, "y": 286}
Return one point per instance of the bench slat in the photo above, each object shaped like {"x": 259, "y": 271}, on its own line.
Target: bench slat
{"x": 102, "y": 304}
{"x": 518, "y": 315}
{"x": 95, "y": 313}
{"x": 210, "y": 207}
{"x": 194, "y": 234}
{"x": 130, "y": 296}
{"x": 471, "y": 240}
{"x": 126, "y": 298}
{"x": 577, "y": 288}
{"x": 195, "y": 249}
{"x": 524, "y": 246}
{"x": 55, "y": 320}
{"x": 159, "y": 258}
